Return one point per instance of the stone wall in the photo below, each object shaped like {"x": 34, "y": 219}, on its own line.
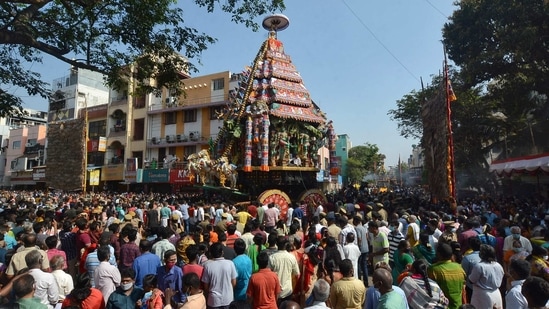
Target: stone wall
{"x": 65, "y": 165}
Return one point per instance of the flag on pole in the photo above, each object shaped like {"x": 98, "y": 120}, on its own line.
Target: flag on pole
{"x": 451, "y": 95}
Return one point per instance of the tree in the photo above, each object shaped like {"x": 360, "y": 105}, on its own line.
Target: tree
{"x": 106, "y": 37}
{"x": 501, "y": 46}
{"x": 408, "y": 111}
{"x": 363, "y": 160}
{"x": 475, "y": 129}
{"x": 500, "y": 40}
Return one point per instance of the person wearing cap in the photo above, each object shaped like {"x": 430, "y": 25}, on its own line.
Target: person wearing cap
{"x": 349, "y": 209}
{"x": 323, "y": 220}
{"x": 333, "y": 229}
{"x": 205, "y": 223}
{"x": 381, "y": 210}
{"x": 343, "y": 211}
{"x": 358, "y": 211}
{"x": 221, "y": 226}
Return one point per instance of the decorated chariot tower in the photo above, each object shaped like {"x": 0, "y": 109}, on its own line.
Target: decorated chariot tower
{"x": 272, "y": 132}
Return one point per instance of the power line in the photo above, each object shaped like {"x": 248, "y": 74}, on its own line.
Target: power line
{"x": 380, "y": 42}
{"x": 436, "y": 9}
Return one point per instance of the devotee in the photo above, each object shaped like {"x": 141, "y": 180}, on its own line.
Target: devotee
{"x": 348, "y": 292}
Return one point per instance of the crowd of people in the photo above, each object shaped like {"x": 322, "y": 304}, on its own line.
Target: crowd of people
{"x": 118, "y": 251}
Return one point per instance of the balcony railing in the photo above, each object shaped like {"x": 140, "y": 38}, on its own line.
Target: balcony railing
{"x": 117, "y": 131}
{"x": 157, "y": 142}
{"x": 119, "y": 101}
{"x": 188, "y": 103}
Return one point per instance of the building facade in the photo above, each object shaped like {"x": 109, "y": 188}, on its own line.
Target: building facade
{"x": 23, "y": 140}
{"x": 343, "y": 145}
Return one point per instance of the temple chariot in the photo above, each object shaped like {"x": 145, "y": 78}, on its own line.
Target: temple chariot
{"x": 272, "y": 132}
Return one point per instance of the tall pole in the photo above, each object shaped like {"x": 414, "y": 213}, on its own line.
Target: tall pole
{"x": 450, "y": 97}
{"x": 85, "y": 144}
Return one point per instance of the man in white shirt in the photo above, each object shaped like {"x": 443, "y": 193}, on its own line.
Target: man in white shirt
{"x": 516, "y": 235}
{"x": 519, "y": 270}
{"x": 318, "y": 210}
{"x": 64, "y": 281}
{"x": 284, "y": 264}
{"x": 185, "y": 216}
{"x": 199, "y": 213}
{"x": 346, "y": 228}
{"x": 45, "y": 284}
{"x": 106, "y": 276}
{"x": 352, "y": 252}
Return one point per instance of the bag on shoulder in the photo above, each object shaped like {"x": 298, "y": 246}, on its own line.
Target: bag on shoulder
{"x": 487, "y": 239}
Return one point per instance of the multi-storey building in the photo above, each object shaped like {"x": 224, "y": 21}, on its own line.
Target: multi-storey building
{"x": 343, "y": 145}
{"x": 150, "y": 134}
{"x": 415, "y": 165}
{"x": 23, "y": 139}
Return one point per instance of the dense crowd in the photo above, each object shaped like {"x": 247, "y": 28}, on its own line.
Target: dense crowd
{"x": 107, "y": 250}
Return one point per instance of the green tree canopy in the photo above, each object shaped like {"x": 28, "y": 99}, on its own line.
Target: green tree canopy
{"x": 501, "y": 55}
{"x": 107, "y": 36}
{"x": 363, "y": 160}
{"x": 502, "y": 47}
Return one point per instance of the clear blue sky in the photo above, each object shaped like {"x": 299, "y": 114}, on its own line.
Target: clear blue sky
{"x": 354, "y": 77}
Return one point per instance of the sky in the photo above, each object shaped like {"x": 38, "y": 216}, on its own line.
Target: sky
{"x": 356, "y": 58}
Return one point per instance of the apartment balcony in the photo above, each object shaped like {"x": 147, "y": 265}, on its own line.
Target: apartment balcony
{"x": 117, "y": 131}
{"x": 178, "y": 140}
{"x": 170, "y": 105}
{"x": 119, "y": 101}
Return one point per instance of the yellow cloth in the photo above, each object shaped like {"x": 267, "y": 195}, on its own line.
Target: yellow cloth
{"x": 243, "y": 217}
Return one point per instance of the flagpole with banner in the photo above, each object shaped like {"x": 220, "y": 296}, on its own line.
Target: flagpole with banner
{"x": 450, "y": 97}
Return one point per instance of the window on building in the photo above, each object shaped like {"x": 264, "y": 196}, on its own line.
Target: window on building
{"x": 170, "y": 118}
{"x": 218, "y": 84}
{"x": 96, "y": 158}
{"x": 190, "y": 115}
{"x": 138, "y": 129}
{"x": 139, "y": 102}
{"x": 215, "y": 111}
{"x": 189, "y": 150}
{"x": 97, "y": 129}
{"x": 16, "y": 145}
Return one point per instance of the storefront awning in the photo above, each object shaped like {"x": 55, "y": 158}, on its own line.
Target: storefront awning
{"x": 524, "y": 164}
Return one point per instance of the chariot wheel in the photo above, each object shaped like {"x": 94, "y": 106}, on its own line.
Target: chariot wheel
{"x": 314, "y": 197}
{"x": 278, "y": 197}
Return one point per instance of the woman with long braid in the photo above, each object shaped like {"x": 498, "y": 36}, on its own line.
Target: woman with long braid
{"x": 421, "y": 291}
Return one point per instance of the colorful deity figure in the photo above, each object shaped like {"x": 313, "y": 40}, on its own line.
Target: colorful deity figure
{"x": 313, "y": 150}
{"x": 304, "y": 145}
{"x": 273, "y": 148}
{"x": 283, "y": 147}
